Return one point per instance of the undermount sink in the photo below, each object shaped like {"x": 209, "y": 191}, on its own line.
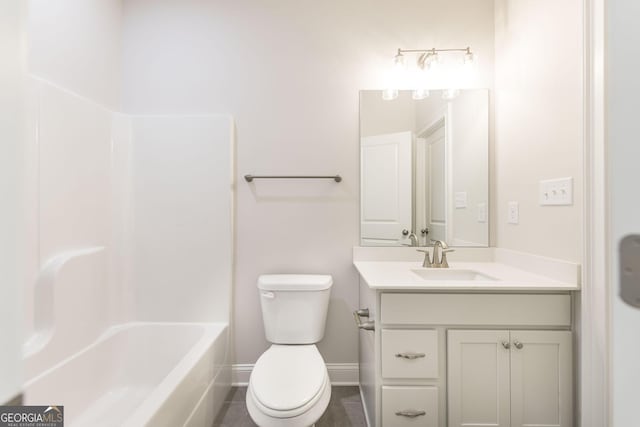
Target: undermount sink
{"x": 440, "y": 274}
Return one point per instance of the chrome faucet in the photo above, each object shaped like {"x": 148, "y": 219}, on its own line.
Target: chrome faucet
{"x": 436, "y": 262}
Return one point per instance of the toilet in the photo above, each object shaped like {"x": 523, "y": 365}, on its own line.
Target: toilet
{"x": 289, "y": 385}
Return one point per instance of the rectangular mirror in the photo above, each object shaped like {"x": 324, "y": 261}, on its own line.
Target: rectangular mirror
{"x": 424, "y": 168}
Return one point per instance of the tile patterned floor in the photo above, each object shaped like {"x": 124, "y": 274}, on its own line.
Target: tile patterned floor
{"x": 345, "y": 410}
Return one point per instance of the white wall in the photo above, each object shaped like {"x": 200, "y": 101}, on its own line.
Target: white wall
{"x": 77, "y": 45}
{"x": 378, "y": 116}
{"x": 12, "y": 122}
{"x": 289, "y": 72}
{"x": 538, "y": 123}
{"x": 181, "y": 216}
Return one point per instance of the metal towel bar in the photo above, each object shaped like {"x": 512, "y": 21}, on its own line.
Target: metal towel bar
{"x": 250, "y": 178}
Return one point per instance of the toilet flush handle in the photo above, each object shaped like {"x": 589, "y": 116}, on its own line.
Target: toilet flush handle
{"x": 269, "y": 295}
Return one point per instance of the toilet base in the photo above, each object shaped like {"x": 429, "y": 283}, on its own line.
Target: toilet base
{"x": 307, "y": 419}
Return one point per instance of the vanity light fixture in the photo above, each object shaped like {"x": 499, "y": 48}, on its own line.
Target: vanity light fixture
{"x": 428, "y": 60}
{"x": 449, "y": 94}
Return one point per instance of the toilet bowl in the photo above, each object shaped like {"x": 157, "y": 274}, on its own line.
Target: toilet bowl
{"x": 289, "y": 387}
{"x": 289, "y": 384}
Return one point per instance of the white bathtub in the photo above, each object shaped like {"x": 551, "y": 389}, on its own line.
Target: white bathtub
{"x": 141, "y": 374}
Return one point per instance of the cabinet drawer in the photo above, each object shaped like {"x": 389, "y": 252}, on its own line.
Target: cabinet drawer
{"x": 477, "y": 309}
{"x": 410, "y": 406}
{"x": 409, "y": 353}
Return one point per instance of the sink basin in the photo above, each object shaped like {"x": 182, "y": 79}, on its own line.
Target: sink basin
{"x": 444, "y": 274}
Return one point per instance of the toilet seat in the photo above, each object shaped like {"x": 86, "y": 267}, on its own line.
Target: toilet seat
{"x": 288, "y": 380}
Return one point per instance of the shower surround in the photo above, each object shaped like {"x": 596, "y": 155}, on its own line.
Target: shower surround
{"x": 127, "y": 312}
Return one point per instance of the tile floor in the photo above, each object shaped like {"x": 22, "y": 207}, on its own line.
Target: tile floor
{"x": 345, "y": 410}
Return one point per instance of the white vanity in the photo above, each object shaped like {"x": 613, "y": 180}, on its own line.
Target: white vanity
{"x": 487, "y": 342}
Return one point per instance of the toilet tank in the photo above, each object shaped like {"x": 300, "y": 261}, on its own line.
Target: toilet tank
{"x": 294, "y": 307}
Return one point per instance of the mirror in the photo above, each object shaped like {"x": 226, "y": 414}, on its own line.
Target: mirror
{"x": 424, "y": 168}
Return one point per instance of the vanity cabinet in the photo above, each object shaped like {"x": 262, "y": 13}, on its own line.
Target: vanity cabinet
{"x": 509, "y": 378}
{"x": 453, "y": 359}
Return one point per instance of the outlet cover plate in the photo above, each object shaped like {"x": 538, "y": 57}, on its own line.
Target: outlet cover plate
{"x": 513, "y": 213}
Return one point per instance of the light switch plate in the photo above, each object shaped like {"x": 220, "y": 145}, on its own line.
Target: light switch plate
{"x": 461, "y": 199}
{"x": 630, "y": 270}
{"x": 513, "y": 213}
{"x": 482, "y": 212}
{"x": 556, "y": 192}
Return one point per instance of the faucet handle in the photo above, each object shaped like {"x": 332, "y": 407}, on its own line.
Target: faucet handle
{"x": 443, "y": 262}
{"x": 427, "y": 261}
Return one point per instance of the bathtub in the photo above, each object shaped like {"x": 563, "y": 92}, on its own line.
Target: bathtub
{"x": 141, "y": 374}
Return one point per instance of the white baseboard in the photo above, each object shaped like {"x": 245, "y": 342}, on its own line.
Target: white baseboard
{"x": 240, "y": 374}
{"x": 340, "y": 374}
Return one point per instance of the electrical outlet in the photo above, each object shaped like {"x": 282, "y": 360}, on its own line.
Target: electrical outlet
{"x": 513, "y": 214}
{"x": 556, "y": 192}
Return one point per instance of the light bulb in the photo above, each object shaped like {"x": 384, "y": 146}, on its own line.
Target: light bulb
{"x": 399, "y": 62}
{"x": 449, "y": 94}
{"x": 419, "y": 94}
{"x": 389, "y": 94}
{"x": 469, "y": 58}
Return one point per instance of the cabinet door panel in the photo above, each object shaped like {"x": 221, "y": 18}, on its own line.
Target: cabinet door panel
{"x": 541, "y": 379}
{"x": 478, "y": 378}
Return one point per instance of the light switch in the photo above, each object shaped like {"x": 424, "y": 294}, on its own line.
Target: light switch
{"x": 482, "y": 212}
{"x": 513, "y": 214}
{"x": 461, "y": 199}
{"x": 556, "y": 192}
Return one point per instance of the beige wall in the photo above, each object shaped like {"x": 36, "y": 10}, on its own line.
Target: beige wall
{"x": 289, "y": 72}
{"x": 538, "y": 123}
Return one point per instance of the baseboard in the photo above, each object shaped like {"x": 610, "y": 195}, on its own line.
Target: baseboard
{"x": 344, "y": 373}
{"x": 340, "y": 374}
{"x": 240, "y": 374}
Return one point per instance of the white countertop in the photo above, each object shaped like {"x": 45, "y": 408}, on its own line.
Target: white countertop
{"x": 397, "y": 275}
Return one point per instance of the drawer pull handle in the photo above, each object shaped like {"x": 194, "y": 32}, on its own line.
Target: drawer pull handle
{"x": 367, "y": 326}
{"x": 411, "y": 356}
{"x": 410, "y": 413}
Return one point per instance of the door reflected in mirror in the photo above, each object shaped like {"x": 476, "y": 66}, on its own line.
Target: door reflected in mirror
{"x": 424, "y": 168}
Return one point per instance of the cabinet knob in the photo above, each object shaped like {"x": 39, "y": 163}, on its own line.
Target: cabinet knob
{"x": 518, "y": 344}
{"x": 410, "y": 356}
{"x": 506, "y": 345}
{"x": 410, "y": 413}
{"x": 405, "y": 232}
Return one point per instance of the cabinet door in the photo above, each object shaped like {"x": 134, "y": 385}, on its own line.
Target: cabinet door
{"x": 478, "y": 378}
{"x": 541, "y": 378}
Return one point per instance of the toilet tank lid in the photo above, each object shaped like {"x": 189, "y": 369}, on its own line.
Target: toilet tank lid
{"x": 294, "y": 282}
